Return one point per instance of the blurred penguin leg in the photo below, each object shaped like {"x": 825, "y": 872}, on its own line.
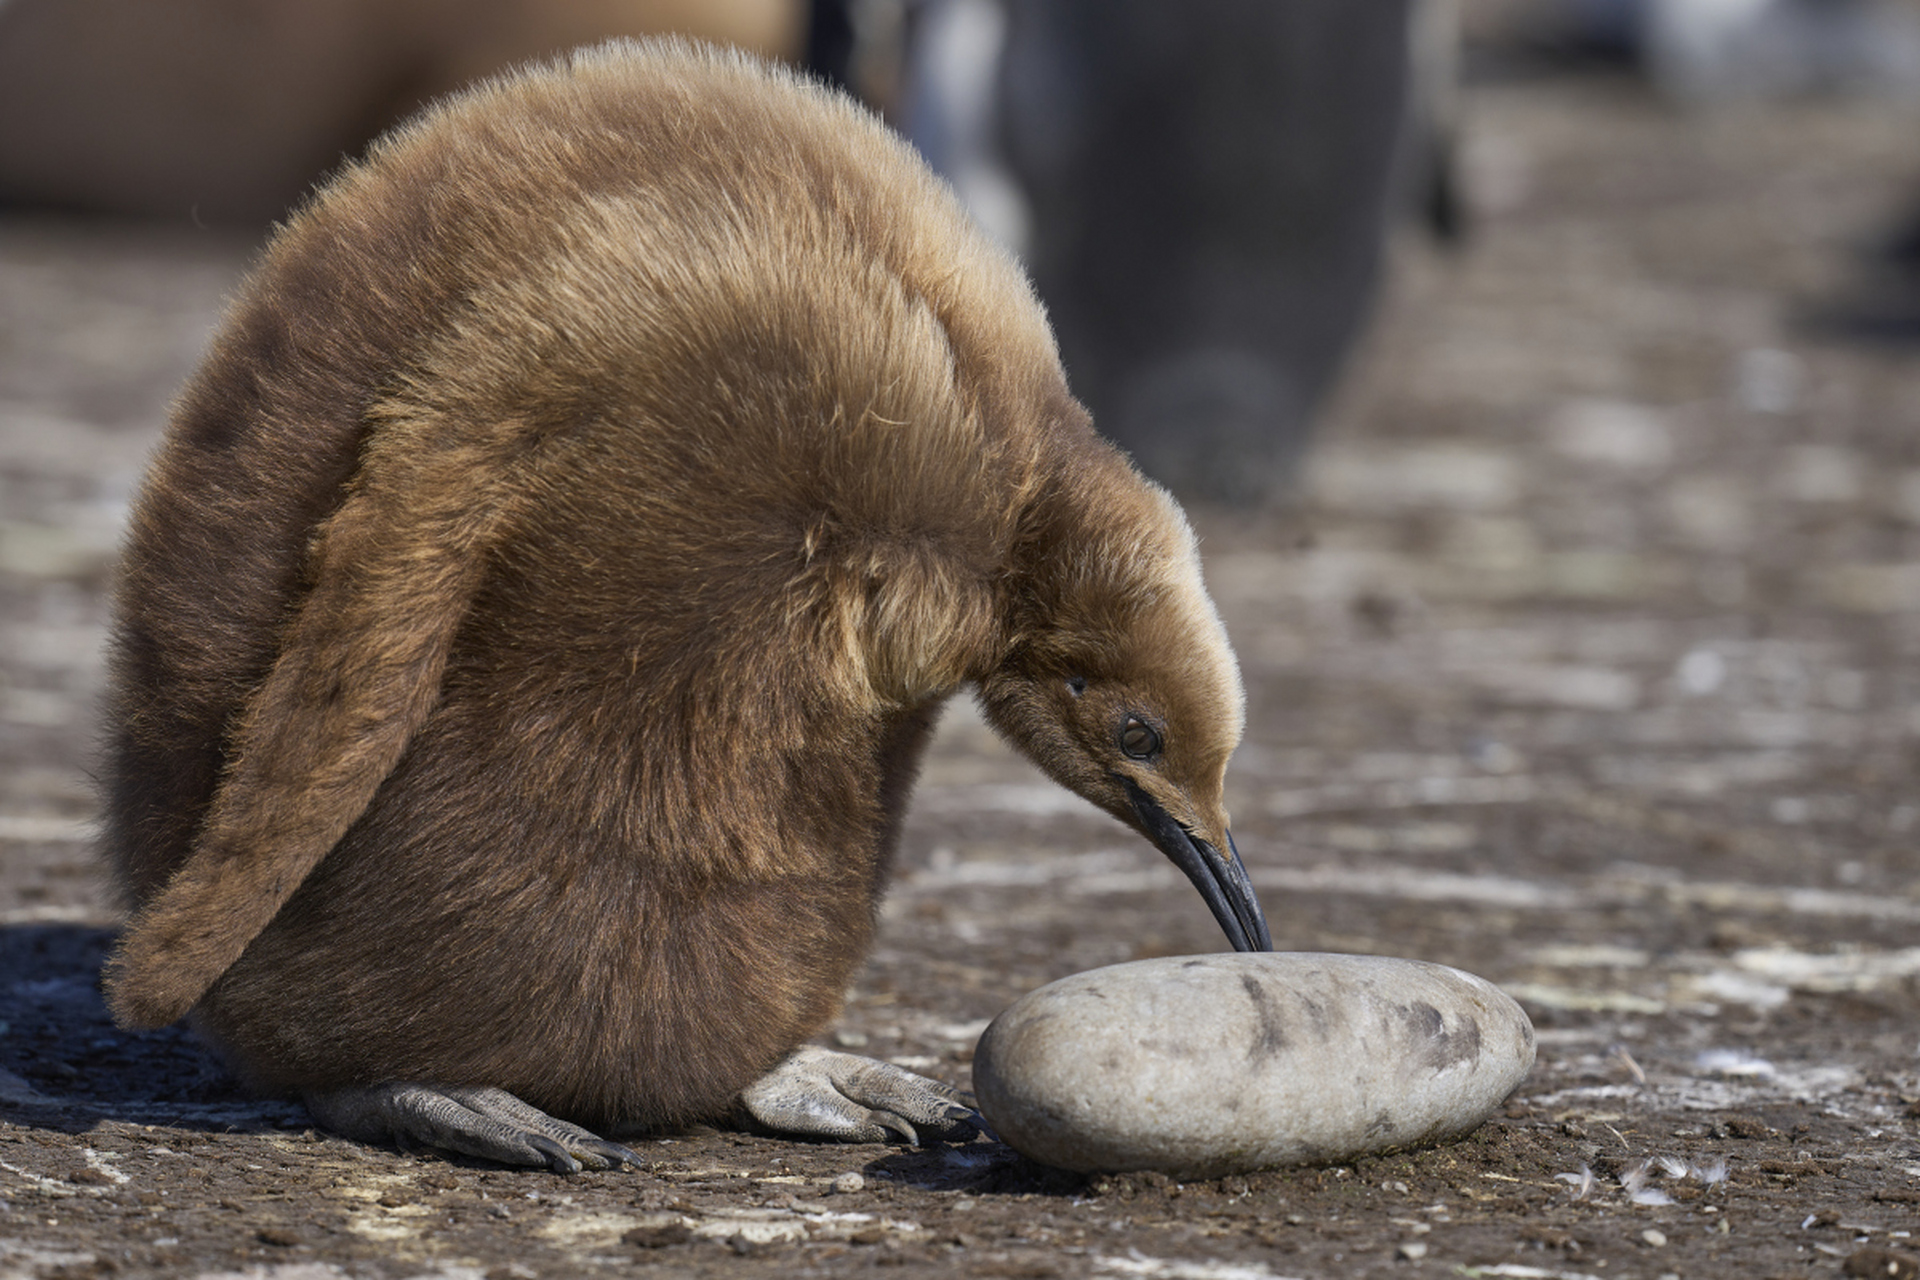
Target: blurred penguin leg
{"x": 1211, "y": 186}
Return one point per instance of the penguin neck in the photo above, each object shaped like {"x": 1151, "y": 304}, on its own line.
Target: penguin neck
{"x": 1096, "y": 534}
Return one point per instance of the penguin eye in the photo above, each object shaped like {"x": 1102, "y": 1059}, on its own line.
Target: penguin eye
{"x": 1139, "y": 740}
{"x": 1076, "y": 685}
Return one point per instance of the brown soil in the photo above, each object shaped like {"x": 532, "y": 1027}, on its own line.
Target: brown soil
{"x": 1586, "y": 662}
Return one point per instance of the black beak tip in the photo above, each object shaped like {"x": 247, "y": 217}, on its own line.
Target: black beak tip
{"x": 1259, "y": 937}
{"x": 1221, "y": 879}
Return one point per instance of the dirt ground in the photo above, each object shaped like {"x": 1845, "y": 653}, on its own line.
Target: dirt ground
{"x": 1585, "y": 660}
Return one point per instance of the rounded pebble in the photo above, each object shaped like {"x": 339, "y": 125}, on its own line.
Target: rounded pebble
{"x": 1202, "y": 1066}
{"x": 848, "y": 1183}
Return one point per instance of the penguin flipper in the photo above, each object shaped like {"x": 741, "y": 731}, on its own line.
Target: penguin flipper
{"x": 487, "y": 1123}
{"x": 817, "y": 1093}
{"x": 393, "y": 572}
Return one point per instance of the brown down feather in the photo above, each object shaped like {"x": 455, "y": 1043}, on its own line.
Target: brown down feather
{"x": 531, "y": 624}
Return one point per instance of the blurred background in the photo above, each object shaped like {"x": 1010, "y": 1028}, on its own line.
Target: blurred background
{"x": 1203, "y": 196}
{"x": 1543, "y": 377}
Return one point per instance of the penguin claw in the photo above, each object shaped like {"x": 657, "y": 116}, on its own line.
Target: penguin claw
{"x": 817, "y": 1093}
{"x": 888, "y": 1120}
{"x": 557, "y": 1158}
{"x": 488, "y": 1123}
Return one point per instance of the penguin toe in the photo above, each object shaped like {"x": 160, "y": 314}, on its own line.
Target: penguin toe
{"x": 817, "y": 1093}
{"x": 490, "y": 1124}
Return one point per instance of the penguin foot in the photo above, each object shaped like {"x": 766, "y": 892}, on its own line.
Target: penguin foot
{"x": 488, "y": 1123}
{"x": 817, "y": 1093}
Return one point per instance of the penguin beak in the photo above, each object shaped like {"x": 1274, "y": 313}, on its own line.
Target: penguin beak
{"x": 1221, "y": 879}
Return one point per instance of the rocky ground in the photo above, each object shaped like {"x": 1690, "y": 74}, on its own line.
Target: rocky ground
{"x": 1585, "y": 660}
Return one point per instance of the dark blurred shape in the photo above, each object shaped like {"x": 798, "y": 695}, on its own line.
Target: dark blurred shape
{"x": 831, "y": 41}
{"x": 1902, "y": 246}
{"x": 229, "y": 110}
{"x": 1882, "y": 302}
{"x": 1210, "y": 187}
{"x": 1893, "y": 313}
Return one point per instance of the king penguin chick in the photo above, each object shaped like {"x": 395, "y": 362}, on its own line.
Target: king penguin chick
{"x": 531, "y": 625}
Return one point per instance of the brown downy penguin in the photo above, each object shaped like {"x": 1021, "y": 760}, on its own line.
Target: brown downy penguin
{"x": 532, "y": 623}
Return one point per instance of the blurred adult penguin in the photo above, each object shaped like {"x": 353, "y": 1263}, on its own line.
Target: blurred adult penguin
{"x": 1209, "y": 189}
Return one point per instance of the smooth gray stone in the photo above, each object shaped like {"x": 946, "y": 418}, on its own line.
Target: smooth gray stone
{"x": 1201, "y": 1066}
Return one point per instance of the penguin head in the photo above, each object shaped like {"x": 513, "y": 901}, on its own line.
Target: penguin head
{"x": 1118, "y": 681}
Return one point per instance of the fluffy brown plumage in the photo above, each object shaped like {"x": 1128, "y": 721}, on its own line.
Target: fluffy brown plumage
{"x": 531, "y": 625}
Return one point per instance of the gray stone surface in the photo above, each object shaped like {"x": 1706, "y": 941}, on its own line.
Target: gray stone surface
{"x": 1204, "y": 1066}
